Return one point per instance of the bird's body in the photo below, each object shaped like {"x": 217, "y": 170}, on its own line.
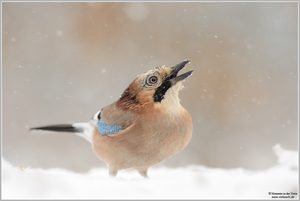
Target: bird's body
{"x": 145, "y": 126}
{"x": 143, "y": 145}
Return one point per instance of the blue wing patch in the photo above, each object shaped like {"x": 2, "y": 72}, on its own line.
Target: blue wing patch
{"x": 107, "y": 129}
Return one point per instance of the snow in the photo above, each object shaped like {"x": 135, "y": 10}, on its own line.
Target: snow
{"x": 185, "y": 182}
{"x": 59, "y": 33}
{"x": 103, "y": 70}
{"x": 137, "y": 11}
{"x": 13, "y": 39}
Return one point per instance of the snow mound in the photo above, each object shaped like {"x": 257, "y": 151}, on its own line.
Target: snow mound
{"x": 193, "y": 182}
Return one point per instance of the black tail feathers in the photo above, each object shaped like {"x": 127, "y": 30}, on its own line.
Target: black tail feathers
{"x": 59, "y": 128}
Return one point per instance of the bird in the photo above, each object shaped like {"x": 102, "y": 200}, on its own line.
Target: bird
{"x": 144, "y": 127}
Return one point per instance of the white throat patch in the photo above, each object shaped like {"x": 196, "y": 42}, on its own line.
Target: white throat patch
{"x": 171, "y": 101}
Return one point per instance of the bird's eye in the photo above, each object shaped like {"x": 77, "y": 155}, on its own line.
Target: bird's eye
{"x": 151, "y": 80}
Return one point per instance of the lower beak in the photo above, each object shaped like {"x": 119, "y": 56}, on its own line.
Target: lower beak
{"x": 173, "y": 78}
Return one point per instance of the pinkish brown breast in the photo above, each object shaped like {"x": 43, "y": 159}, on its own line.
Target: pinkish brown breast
{"x": 151, "y": 139}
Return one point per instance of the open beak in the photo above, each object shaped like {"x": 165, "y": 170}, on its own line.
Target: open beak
{"x": 174, "y": 77}
{"x": 171, "y": 80}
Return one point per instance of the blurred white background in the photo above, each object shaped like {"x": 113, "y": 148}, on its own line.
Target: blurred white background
{"x": 64, "y": 61}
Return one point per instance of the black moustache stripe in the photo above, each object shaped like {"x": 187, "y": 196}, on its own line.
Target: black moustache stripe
{"x": 161, "y": 91}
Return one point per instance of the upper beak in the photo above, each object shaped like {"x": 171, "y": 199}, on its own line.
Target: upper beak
{"x": 173, "y": 75}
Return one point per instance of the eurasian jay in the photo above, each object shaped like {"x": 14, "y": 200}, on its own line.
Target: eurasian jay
{"x": 145, "y": 126}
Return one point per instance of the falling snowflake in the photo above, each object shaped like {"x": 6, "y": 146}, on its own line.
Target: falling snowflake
{"x": 103, "y": 70}
{"x": 59, "y": 33}
{"x": 137, "y": 11}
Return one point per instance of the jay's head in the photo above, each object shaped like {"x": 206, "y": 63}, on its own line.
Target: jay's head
{"x": 157, "y": 87}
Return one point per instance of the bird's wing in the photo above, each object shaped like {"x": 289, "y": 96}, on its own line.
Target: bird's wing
{"x": 111, "y": 120}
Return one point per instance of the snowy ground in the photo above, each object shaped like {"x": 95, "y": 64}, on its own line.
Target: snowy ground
{"x": 187, "y": 182}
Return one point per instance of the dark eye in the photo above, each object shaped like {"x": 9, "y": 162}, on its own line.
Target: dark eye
{"x": 151, "y": 80}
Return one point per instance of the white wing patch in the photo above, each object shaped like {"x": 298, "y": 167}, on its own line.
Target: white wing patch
{"x": 95, "y": 117}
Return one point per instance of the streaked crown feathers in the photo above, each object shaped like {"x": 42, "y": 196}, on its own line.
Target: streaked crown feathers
{"x": 150, "y": 88}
